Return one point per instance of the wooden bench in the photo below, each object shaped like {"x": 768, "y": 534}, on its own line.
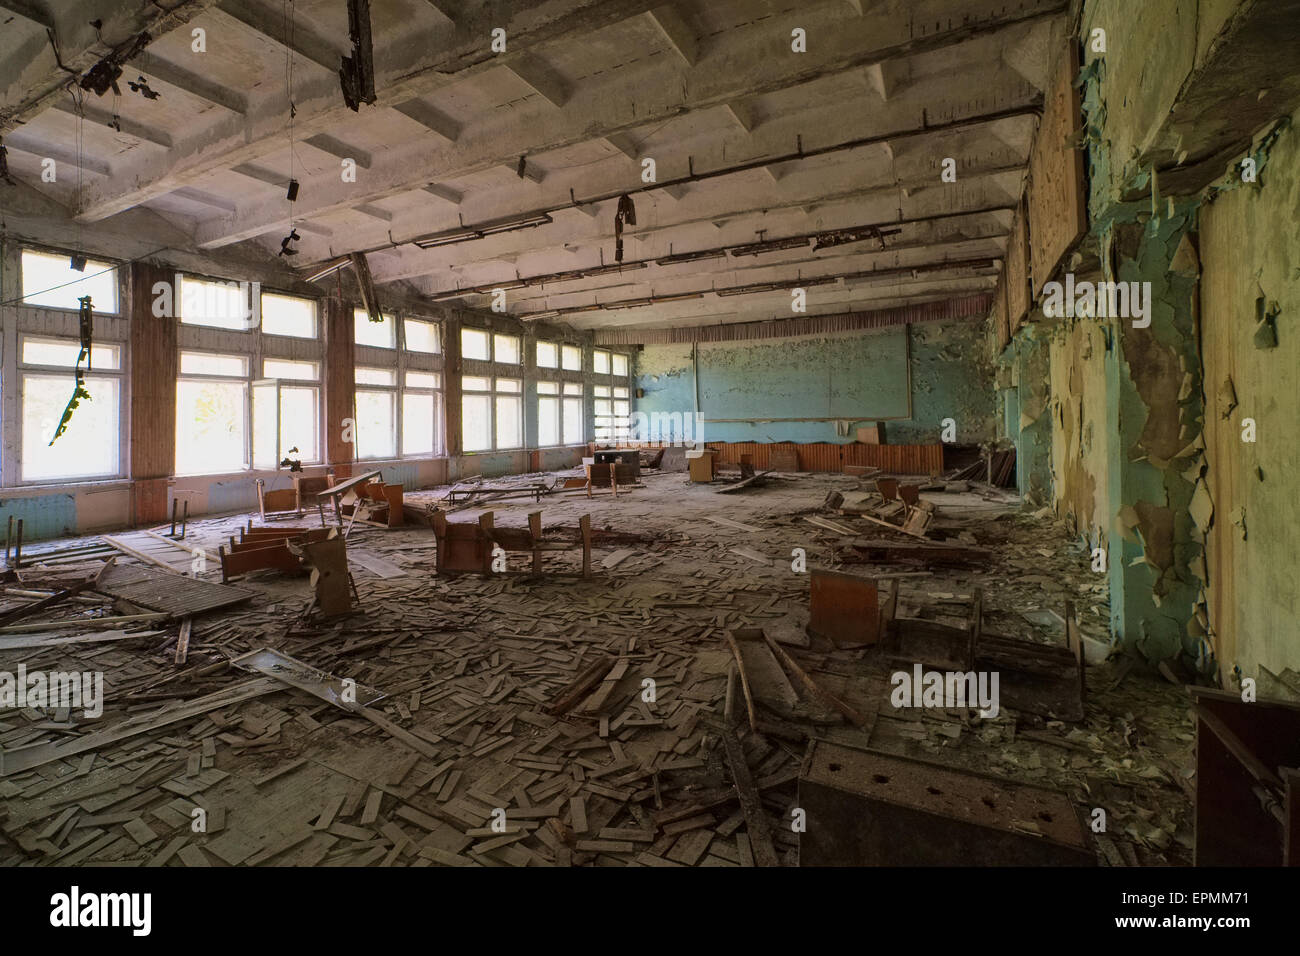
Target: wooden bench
{"x": 467, "y": 547}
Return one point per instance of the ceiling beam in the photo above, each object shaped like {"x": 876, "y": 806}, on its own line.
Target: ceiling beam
{"x": 295, "y": 37}
{"x": 102, "y": 117}
{"x": 444, "y": 193}
{"x": 31, "y": 87}
{"x": 597, "y": 110}
{"x": 430, "y": 118}
{"x": 62, "y": 155}
{"x": 194, "y": 84}
{"x": 339, "y": 149}
{"x": 538, "y": 75}
{"x": 411, "y": 71}
{"x": 672, "y": 24}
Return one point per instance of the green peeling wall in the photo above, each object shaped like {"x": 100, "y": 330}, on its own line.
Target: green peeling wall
{"x": 1127, "y": 463}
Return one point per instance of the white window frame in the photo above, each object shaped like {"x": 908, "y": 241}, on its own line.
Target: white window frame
{"x": 246, "y": 380}
{"x": 67, "y": 372}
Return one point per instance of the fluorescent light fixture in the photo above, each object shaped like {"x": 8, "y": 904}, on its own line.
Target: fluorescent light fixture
{"x": 468, "y": 233}
{"x": 327, "y": 270}
{"x": 691, "y": 257}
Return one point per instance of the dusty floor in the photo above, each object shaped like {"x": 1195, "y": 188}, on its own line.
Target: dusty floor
{"x": 469, "y": 666}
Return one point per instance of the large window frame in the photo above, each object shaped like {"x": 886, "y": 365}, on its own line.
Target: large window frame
{"x": 84, "y": 424}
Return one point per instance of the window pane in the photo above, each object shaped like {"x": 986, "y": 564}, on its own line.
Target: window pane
{"x": 620, "y": 393}
{"x": 380, "y": 335}
{"x": 547, "y": 355}
{"x": 284, "y": 368}
{"x": 299, "y": 424}
{"x": 266, "y": 439}
{"x": 509, "y": 421}
{"x": 620, "y": 364}
{"x": 209, "y": 363}
{"x": 288, "y": 315}
{"x": 472, "y": 383}
{"x": 211, "y": 427}
{"x": 600, "y": 407}
{"x": 600, "y": 362}
{"x": 89, "y": 446}
{"x": 548, "y": 388}
{"x": 376, "y": 376}
{"x": 417, "y": 423}
{"x": 474, "y": 344}
{"x": 421, "y": 336}
{"x": 573, "y": 431}
{"x": 476, "y": 422}
{"x": 507, "y": 349}
{"x": 509, "y": 385}
{"x": 600, "y": 391}
{"x": 548, "y": 421}
{"x": 422, "y": 380}
{"x": 573, "y": 358}
{"x": 64, "y": 352}
{"x": 43, "y": 271}
{"x": 220, "y": 305}
{"x": 376, "y": 420}
{"x": 572, "y": 388}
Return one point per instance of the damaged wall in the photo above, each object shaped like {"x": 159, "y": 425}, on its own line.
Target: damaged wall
{"x": 1027, "y": 423}
{"x": 1250, "y": 247}
{"x": 949, "y": 371}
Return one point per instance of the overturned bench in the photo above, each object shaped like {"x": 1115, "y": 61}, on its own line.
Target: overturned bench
{"x": 467, "y": 547}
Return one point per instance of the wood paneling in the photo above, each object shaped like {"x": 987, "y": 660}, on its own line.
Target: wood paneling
{"x": 153, "y": 360}
{"x": 1016, "y": 270}
{"x": 1058, "y": 214}
{"x": 451, "y": 384}
{"x": 340, "y": 380}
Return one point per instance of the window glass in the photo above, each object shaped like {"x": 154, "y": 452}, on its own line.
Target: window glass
{"x": 475, "y": 344}
{"x": 506, "y": 349}
{"x": 285, "y": 368}
{"x": 547, "y": 355}
{"x": 218, "y": 304}
{"x": 49, "y": 281}
{"x": 88, "y": 447}
{"x": 212, "y": 363}
{"x": 288, "y": 315}
{"x": 573, "y": 358}
{"x": 376, "y": 376}
{"x": 380, "y": 335}
{"x": 421, "y": 336}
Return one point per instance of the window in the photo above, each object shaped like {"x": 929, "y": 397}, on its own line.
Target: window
{"x": 211, "y": 414}
{"x": 475, "y": 344}
{"x": 89, "y": 446}
{"x": 622, "y": 413}
{"x": 572, "y": 358}
{"x": 612, "y": 410}
{"x": 574, "y": 433}
{"x": 506, "y": 349}
{"x": 548, "y": 414}
{"x": 548, "y": 355}
{"x": 286, "y": 421}
{"x": 620, "y": 365}
{"x": 421, "y": 336}
{"x": 600, "y": 362}
{"x": 49, "y": 281}
{"x": 492, "y": 413}
{"x": 476, "y": 413}
{"x": 421, "y": 413}
{"x": 284, "y": 368}
{"x": 217, "y": 304}
{"x": 288, "y": 315}
{"x": 376, "y": 408}
{"x": 509, "y": 413}
{"x": 603, "y": 413}
{"x": 379, "y": 335}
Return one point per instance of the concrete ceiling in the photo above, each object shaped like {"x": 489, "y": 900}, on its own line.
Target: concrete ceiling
{"x": 751, "y": 142}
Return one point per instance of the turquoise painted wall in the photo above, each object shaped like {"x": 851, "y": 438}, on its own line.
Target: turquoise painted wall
{"x": 859, "y": 376}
